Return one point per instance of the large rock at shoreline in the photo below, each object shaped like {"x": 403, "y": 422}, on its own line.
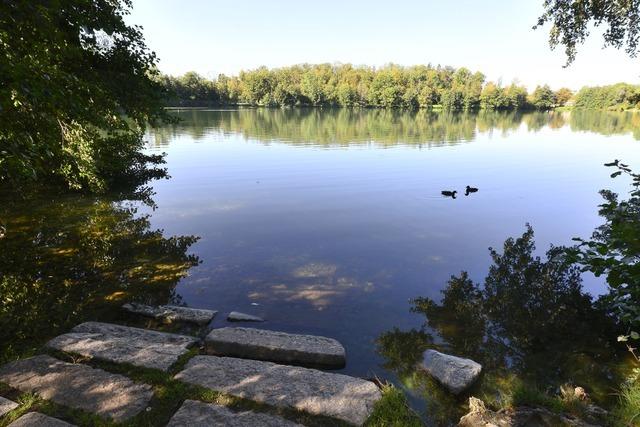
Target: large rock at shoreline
{"x": 6, "y": 406}
{"x": 455, "y": 373}
{"x": 319, "y": 393}
{"x": 193, "y": 413}
{"x": 274, "y": 346}
{"x": 123, "y": 344}
{"x": 172, "y": 313}
{"x": 36, "y": 419}
{"x": 78, "y": 386}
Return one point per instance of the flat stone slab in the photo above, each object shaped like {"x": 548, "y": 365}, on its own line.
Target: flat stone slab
{"x": 36, "y": 419}
{"x": 7, "y": 406}
{"x": 172, "y": 313}
{"x": 236, "y": 316}
{"x": 78, "y": 386}
{"x": 198, "y": 414}
{"x": 455, "y": 373}
{"x": 320, "y": 393}
{"x": 274, "y": 346}
{"x": 123, "y": 344}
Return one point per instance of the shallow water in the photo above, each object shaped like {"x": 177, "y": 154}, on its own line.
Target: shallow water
{"x": 321, "y": 221}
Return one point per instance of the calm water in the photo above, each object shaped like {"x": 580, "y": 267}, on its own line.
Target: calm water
{"x": 321, "y": 221}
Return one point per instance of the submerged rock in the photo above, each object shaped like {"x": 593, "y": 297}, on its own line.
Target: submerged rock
{"x": 194, "y": 413}
{"x": 455, "y": 373}
{"x": 236, "y": 316}
{"x": 274, "y": 346}
{"x": 288, "y": 387}
{"x": 172, "y": 313}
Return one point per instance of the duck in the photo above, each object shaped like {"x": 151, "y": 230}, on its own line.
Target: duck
{"x": 451, "y": 194}
{"x": 614, "y": 163}
{"x": 470, "y": 190}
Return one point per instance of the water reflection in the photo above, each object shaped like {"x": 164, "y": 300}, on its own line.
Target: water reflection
{"x": 74, "y": 258}
{"x": 530, "y": 325}
{"x": 344, "y": 127}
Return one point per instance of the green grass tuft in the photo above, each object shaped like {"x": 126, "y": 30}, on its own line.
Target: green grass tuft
{"x": 393, "y": 410}
{"x": 628, "y": 409}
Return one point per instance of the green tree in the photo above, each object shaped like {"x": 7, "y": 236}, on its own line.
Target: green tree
{"x": 563, "y": 95}
{"x": 76, "y": 94}
{"x": 543, "y": 98}
{"x": 493, "y": 97}
{"x": 571, "y": 21}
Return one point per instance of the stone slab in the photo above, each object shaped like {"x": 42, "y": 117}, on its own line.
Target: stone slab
{"x": 172, "y": 313}
{"x": 124, "y": 344}
{"x": 36, "y": 419}
{"x": 7, "y": 406}
{"x": 320, "y": 393}
{"x": 78, "y": 386}
{"x": 274, "y": 346}
{"x": 455, "y": 373}
{"x": 199, "y": 414}
{"x": 236, "y": 316}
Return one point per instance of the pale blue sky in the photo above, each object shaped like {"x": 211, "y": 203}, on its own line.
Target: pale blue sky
{"x": 492, "y": 36}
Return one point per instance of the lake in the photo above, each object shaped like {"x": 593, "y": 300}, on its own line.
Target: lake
{"x": 321, "y": 221}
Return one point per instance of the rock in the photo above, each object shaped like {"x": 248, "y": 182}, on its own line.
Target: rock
{"x": 276, "y": 346}
{"x": 320, "y": 393}
{"x": 123, "y": 344}
{"x": 78, "y": 386}
{"x": 580, "y": 393}
{"x": 6, "y": 406}
{"x": 236, "y": 316}
{"x": 36, "y": 419}
{"x": 193, "y": 413}
{"x": 480, "y": 416}
{"x": 455, "y": 373}
{"x": 172, "y": 313}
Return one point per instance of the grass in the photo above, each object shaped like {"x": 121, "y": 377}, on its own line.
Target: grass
{"x": 628, "y": 409}
{"x": 393, "y": 410}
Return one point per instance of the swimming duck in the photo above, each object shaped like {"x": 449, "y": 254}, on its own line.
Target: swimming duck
{"x": 470, "y": 190}
{"x": 451, "y": 194}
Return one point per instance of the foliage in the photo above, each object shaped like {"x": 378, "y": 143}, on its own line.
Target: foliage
{"x": 571, "y": 21}
{"x": 76, "y": 94}
{"x": 619, "y": 96}
{"x": 343, "y": 85}
{"x": 563, "y": 95}
{"x": 614, "y": 249}
{"x": 543, "y": 98}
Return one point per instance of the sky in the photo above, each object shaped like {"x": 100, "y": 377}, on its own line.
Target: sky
{"x": 491, "y": 36}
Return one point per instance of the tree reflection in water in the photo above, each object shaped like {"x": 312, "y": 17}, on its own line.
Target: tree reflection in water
{"x": 530, "y": 325}
{"x": 381, "y": 127}
{"x": 68, "y": 259}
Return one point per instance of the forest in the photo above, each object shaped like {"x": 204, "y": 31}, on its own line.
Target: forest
{"x": 346, "y": 85}
{"x": 620, "y": 96}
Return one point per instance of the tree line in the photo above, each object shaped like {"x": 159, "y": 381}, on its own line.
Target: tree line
{"x": 345, "y": 85}
{"x": 620, "y": 96}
